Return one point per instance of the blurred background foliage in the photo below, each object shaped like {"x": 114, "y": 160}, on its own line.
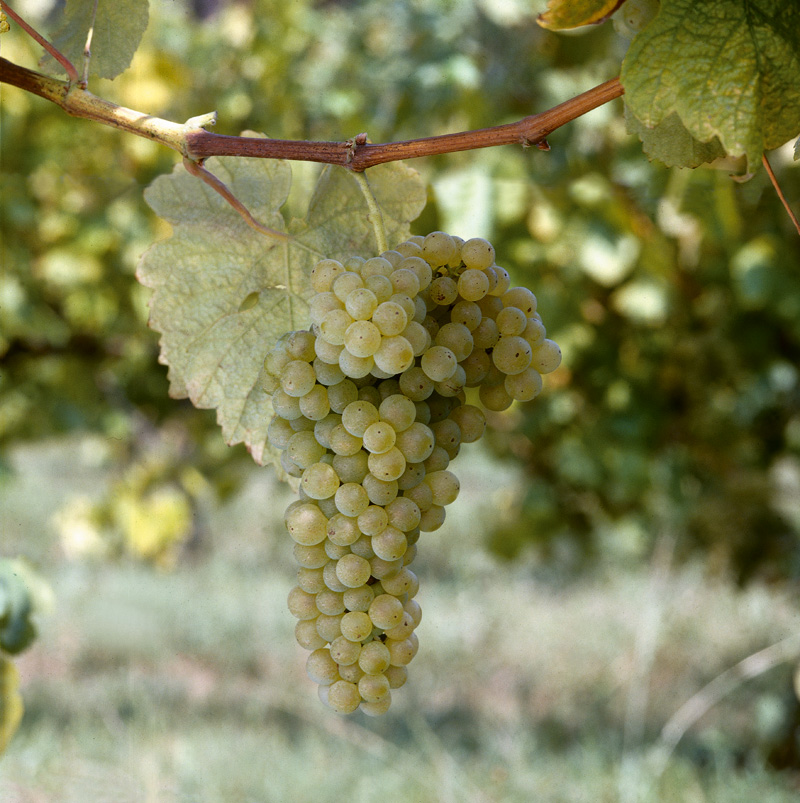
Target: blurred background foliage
{"x": 675, "y": 294}
{"x": 674, "y": 418}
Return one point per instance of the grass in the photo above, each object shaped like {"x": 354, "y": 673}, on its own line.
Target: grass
{"x": 187, "y": 686}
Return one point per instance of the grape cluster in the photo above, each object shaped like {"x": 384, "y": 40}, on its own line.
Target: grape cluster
{"x": 370, "y": 409}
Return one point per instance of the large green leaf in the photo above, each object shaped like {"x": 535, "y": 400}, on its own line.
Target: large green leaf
{"x": 727, "y": 68}
{"x": 672, "y": 144}
{"x": 118, "y": 29}
{"x": 224, "y": 293}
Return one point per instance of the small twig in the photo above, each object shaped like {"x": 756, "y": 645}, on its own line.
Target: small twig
{"x": 374, "y": 214}
{"x": 87, "y": 50}
{"x": 219, "y": 186}
{"x": 756, "y": 664}
{"x": 72, "y": 73}
{"x": 357, "y": 155}
{"x": 777, "y": 186}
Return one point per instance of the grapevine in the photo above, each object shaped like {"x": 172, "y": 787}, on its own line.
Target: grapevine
{"x": 370, "y": 410}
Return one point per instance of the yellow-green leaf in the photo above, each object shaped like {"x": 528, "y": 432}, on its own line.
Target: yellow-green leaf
{"x": 564, "y": 14}
{"x": 224, "y": 293}
{"x": 11, "y": 708}
{"x": 727, "y": 68}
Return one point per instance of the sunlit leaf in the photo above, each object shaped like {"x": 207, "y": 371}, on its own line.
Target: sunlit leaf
{"x": 224, "y": 293}
{"x": 728, "y": 69}
{"x": 564, "y": 14}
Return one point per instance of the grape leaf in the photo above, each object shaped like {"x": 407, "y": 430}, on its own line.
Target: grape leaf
{"x": 727, "y": 68}
{"x": 564, "y": 14}
{"x": 672, "y": 144}
{"x": 118, "y": 29}
{"x": 224, "y": 293}
{"x": 11, "y": 709}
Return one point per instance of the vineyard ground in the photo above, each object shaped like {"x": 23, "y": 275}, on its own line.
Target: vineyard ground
{"x": 187, "y": 685}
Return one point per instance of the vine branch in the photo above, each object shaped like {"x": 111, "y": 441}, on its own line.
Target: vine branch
{"x": 356, "y": 154}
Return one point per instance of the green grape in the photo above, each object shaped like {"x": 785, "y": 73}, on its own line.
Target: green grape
{"x": 439, "y": 363}
{"x": 354, "y": 263}
{"x": 443, "y": 290}
{"x": 380, "y": 492}
{"x": 477, "y": 253}
{"x": 420, "y": 267}
{"x": 511, "y": 321}
{"x": 331, "y": 580}
{"x": 377, "y": 266}
{"x": 329, "y": 602}
{"x": 344, "y": 284}
{"x": 327, "y": 373}
{"x": 374, "y": 658}
{"x": 355, "y": 367}
{"x": 301, "y": 604}
{"x": 373, "y": 520}
{"x": 495, "y": 397}
{"x": 452, "y": 386}
{"x": 402, "y": 583}
{"x": 444, "y": 487}
{"x": 345, "y": 653}
{"x": 447, "y": 435}
{"x": 279, "y": 432}
{"x": 415, "y": 443}
{"x": 390, "y": 544}
{"x": 476, "y": 367}
{"x": 328, "y": 352}
{"x": 382, "y": 569}
{"x": 310, "y": 556}
{"x": 378, "y": 708}
{"x": 304, "y": 449}
{"x": 390, "y": 318}
{"x": 335, "y": 551}
{"x": 503, "y": 280}
{"x": 467, "y": 313}
{"x": 353, "y": 571}
{"x": 439, "y": 460}
{"x": 357, "y": 416}
{"x": 334, "y": 325}
{"x": 351, "y": 499}
{"x": 397, "y": 676}
{"x": 394, "y": 355}
{"x": 418, "y": 337}
{"x": 521, "y": 298}
{"x": 352, "y": 673}
{"x": 409, "y": 249}
{"x": 388, "y": 466}
{"x": 342, "y": 530}
{"x": 386, "y": 612}
{"x": 363, "y": 547}
{"x": 432, "y": 518}
{"x": 324, "y": 273}
{"x": 356, "y": 624}
{"x": 534, "y": 332}
{"x": 343, "y": 697}
{"x": 359, "y": 600}
{"x": 401, "y": 653}
{"x": 320, "y": 305}
{"x": 524, "y": 386}
{"x": 415, "y": 384}
{"x": 297, "y": 378}
{"x": 512, "y": 354}
{"x": 329, "y": 627}
{"x": 379, "y": 437}
{"x": 395, "y": 257}
{"x": 319, "y": 481}
{"x": 342, "y": 394}
{"x": 473, "y": 285}
{"x": 361, "y": 303}
{"x": 314, "y": 405}
{"x": 373, "y": 688}
{"x": 353, "y": 467}
{"x": 398, "y": 411}
{"x": 362, "y": 339}
{"x": 457, "y": 338}
{"x": 306, "y": 524}
{"x": 342, "y": 442}
{"x": 471, "y": 421}
{"x": 438, "y": 248}
{"x": 321, "y": 668}
{"x": 546, "y": 357}
{"x": 305, "y": 634}
{"x": 300, "y": 345}
{"x": 381, "y": 287}
{"x": 405, "y": 281}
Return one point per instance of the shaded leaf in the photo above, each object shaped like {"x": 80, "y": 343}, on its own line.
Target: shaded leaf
{"x": 564, "y": 14}
{"x": 225, "y": 293}
{"x": 118, "y": 29}
{"x": 727, "y": 68}
{"x": 672, "y": 144}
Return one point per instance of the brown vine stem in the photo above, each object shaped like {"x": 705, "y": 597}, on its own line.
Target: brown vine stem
{"x": 778, "y": 189}
{"x": 355, "y": 154}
